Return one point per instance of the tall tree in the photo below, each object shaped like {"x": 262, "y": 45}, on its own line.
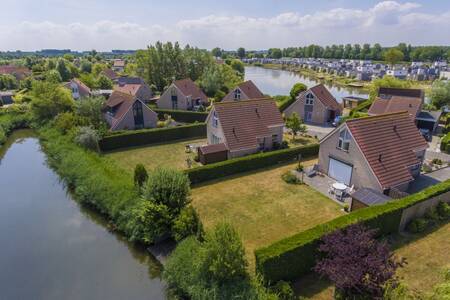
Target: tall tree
{"x": 241, "y": 52}
{"x": 393, "y": 56}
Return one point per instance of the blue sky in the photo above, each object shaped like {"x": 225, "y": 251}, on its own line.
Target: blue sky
{"x": 102, "y": 24}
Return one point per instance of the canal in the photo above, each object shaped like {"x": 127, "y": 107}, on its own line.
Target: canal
{"x": 51, "y": 248}
{"x": 280, "y": 82}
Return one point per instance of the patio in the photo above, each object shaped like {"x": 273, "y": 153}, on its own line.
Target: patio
{"x": 322, "y": 184}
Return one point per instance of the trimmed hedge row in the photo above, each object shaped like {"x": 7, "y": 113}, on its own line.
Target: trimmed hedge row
{"x": 182, "y": 115}
{"x": 362, "y": 107}
{"x": 445, "y": 143}
{"x": 294, "y": 256}
{"x": 151, "y": 136}
{"x": 248, "y": 163}
{"x": 285, "y": 104}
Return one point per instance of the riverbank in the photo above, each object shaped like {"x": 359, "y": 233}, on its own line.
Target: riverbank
{"x": 339, "y": 81}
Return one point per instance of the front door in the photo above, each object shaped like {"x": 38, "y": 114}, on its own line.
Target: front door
{"x": 308, "y": 116}
{"x": 138, "y": 115}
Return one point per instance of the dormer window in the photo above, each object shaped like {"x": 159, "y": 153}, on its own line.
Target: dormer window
{"x": 215, "y": 121}
{"x": 309, "y": 99}
{"x": 237, "y": 94}
{"x": 344, "y": 140}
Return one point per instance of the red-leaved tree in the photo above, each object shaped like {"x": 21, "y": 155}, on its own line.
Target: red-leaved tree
{"x": 356, "y": 262}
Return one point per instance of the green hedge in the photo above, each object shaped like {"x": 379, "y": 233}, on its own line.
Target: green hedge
{"x": 362, "y": 107}
{"x": 248, "y": 163}
{"x": 294, "y": 256}
{"x": 182, "y": 115}
{"x": 10, "y": 121}
{"x": 151, "y": 136}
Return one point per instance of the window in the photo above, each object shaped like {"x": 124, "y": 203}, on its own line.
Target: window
{"x": 215, "y": 139}
{"x": 309, "y": 99}
{"x": 262, "y": 144}
{"x": 237, "y": 94}
{"x": 274, "y": 138}
{"x": 215, "y": 121}
{"x": 344, "y": 140}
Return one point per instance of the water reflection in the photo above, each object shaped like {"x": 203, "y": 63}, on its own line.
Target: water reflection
{"x": 280, "y": 82}
{"x": 51, "y": 247}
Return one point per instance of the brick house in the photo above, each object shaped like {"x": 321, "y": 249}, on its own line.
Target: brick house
{"x": 78, "y": 89}
{"x": 315, "y": 106}
{"x": 244, "y": 127}
{"x": 244, "y": 91}
{"x": 380, "y": 152}
{"x": 134, "y": 86}
{"x": 183, "y": 95}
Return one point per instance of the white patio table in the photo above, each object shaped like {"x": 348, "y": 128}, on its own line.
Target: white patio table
{"x": 339, "y": 186}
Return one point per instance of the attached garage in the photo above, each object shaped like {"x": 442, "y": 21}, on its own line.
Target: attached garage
{"x": 340, "y": 171}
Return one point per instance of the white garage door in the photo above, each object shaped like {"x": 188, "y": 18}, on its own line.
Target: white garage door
{"x": 340, "y": 171}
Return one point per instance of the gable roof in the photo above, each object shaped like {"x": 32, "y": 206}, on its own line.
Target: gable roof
{"x": 122, "y": 103}
{"x": 391, "y": 100}
{"x": 18, "y": 71}
{"x": 244, "y": 121}
{"x": 189, "y": 88}
{"x": 83, "y": 89}
{"x": 250, "y": 90}
{"x": 388, "y": 143}
{"x": 110, "y": 74}
{"x": 119, "y": 63}
{"x": 324, "y": 96}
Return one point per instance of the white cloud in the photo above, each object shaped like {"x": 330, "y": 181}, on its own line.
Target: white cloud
{"x": 387, "y": 22}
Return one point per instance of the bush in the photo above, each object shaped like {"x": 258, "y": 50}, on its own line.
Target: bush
{"x": 443, "y": 210}
{"x": 248, "y": 163}
{"x": 10, "y": 121}
{"x": 290, "y": 178}
{"x": 294, "y": 256}
{"x": 362, "y": 107}
{"x": 445, "y": 143}
{"x": 65, "y": 122}
{"x": 182, "y": 115}
{"x": 432, "y": 214}
{"x": 436, "y": 161}
{"x": 140, "y": 175}
{"x": 187, "y": 223}
{"x": 284, "y": 290}
{"x": 87, "y": 137}
{"x": 417, "y": 225}
{"x": 150, "y": 136}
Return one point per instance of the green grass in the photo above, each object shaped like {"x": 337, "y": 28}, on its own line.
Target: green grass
{"x": 171, "y": 155}
{"x": 262, "y": 207}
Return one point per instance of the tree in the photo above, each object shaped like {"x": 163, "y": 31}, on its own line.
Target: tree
{"x": 86, "y": 66}
{"x": 393, "y": 55}
{"x": 140, "y": 175}
{"x": 90, "y": 111}
{"x": 53, "y": 76}
{"x": 297, "y": 89}
{"x": 8, "y": 82}
{"x": 440, "y": 93}
{"x": 104, "y": 82}
{"x": 386, "y": 81}
{"x": 63, "y": 70}
{"x": 88, "y": 138}
{"x": 275, "y": 53}
{"x": 151, "y": 221}
{"x": 218, "y": 78}
{"x": 49, "y": 99}
{"x": 241, "y": 52}
{"x": 238, "y": 66}
{"x": 187, "y": 223}
{"x": 356, "y": 263}
{"x": 295, "y": 124}
{"x": 216, "y": 52}
{"x": 168, "y": 187}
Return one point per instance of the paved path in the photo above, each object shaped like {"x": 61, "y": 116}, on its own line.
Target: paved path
{"x": 319, "y": 131}
{"x": 430, "y": 155}
{"x": 429, "y": 179}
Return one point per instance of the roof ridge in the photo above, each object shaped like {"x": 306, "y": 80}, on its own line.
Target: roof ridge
{"x": 245, "y": 101}
{"x": 380, "y": 116}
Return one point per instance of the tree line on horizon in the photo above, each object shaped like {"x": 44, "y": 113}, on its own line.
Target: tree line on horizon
{"x": 348, "y": 51}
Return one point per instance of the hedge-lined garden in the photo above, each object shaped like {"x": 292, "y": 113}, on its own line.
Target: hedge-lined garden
{"x": 10, "y": 121}
{"x": 292, "y": 257}
{"x": 248, "y": 163}
{"x": 150, "y": 136}
{"x": 182, "y": 115}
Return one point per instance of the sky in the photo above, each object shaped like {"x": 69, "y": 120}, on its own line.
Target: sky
{"x": 134, "y": 24}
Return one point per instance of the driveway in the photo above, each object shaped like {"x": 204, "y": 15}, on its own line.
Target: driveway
{"x": 319, "y": 131}
{"x": 428, "y": 179}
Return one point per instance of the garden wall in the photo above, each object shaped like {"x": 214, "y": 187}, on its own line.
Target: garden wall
{"x": 290, "y": 258}
{"x": 150, "y": 136}
{"x": 418, "y": 210}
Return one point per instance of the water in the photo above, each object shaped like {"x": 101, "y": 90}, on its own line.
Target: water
{"x": 280, "y": 82}
{"x": 51, "y": 248}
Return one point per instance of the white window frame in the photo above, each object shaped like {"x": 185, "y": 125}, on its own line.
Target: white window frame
{"x": 237, "y": 94}
{"x": 344, "y": 140}
{"x": 309, "y": 99}
{"x": 215, "y": 139}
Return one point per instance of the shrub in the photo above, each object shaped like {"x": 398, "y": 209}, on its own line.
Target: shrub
{"x": 150, "y": 136}
{"x": 140, "y": 175}
{"x": 88, "y": 138}
{"x": 417, "y": 225}
{"x": 290, "y": 178}
{"x": 294, "y": 256}
{"x": 432, "y": 214}
{"x": 187, "y": 223}
{"x": 65, "y": 122}
{"x": 284, "y": 290}
{"x": 248, "y": 163}
{"x": 443, "y": 210}
{"x": 436, "y": 161}
{"x": 300, "y": 167}
{"x": 168, "y": 187}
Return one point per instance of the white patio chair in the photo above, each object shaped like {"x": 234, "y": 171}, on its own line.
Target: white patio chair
{"x": 339, "y": 194}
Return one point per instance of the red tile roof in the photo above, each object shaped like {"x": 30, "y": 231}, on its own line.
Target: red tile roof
{"x": 119, "y": 63}
{"x": 130, "y": 89}
{"x": 394, "y": 100}
{"x": 244, "y": 121}
{"x": 121, "y": 102}
{"x": 17, "y": 71}
{"x": 83, "y": 89}
{"x": 213, "y": 148}
{"x": 324, "y": 96}
{"x": 110, "y": 74}
{"x": 250, "y": 90}
{"x": 189, "y": 88}
{"x": 388, "y": 143}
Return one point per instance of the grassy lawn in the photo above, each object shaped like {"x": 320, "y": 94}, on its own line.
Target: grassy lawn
{"x": 262, "y": 207}
{"x": 427, "y": 256}
{"x": 299, "y": 140}
{"x": 170, "y": 154}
